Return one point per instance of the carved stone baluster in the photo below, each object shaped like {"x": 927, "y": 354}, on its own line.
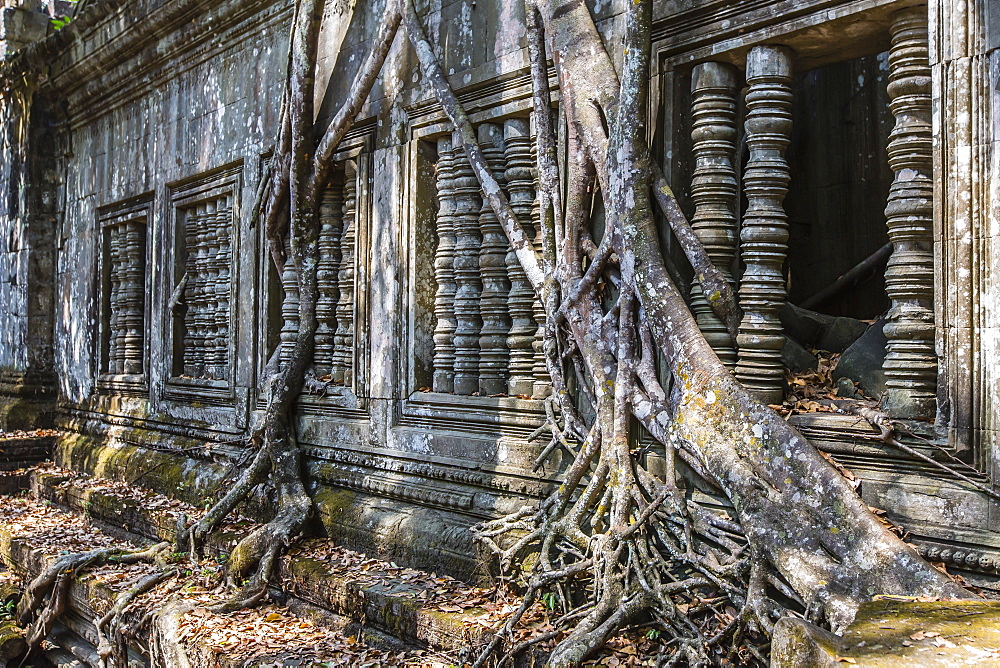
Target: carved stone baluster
{"x": 134, "y": 295}
{"x": 910, "y": 363}
{"x": 116, "y": 348}
{"x": 203, "y": 319}
{"x": 289, "y": 307}
{"x": 493, "y": 354}
{"x": 469, "y": 287}
{"x": 344, "y": 338}
{"x": 331, "y": 214}
{"x": 521, "y": 298}
{"x": 210, "y": 273}
{"x": 194, "y": 339}
{"x": 444, "y": 271}
{"x": 542, "y": 386}
{"x": 224, "y": 223}
{"x": 714, "y": 189}
{"x": 765, "y": 227}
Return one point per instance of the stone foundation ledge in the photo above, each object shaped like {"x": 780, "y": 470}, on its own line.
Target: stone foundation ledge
{"x": 391, "y": 529}
{"x": 391, "y": 602}
{"x": 894, "y": 632}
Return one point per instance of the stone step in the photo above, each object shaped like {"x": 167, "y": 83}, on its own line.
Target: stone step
{"x": 332, "y": 586}
{"x": 24, "y": 448}
{"x": 32, "y": 534}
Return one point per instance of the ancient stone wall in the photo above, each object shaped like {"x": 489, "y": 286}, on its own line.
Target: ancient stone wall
{"x": 30, "y": 188}
{"x": 427, "y": 378}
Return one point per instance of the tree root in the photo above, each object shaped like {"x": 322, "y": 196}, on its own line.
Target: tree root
{"x": 110, "y": 636}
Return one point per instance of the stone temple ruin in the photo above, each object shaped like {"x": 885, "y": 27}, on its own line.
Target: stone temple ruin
{"x": 138, "y": 304}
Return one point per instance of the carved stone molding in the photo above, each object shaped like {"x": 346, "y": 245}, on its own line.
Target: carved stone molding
{"x": 714, "y": 188}
{"x": 910, "y": 363}
{"x": 964, "y": 557}
{"x": 765, "y": 226}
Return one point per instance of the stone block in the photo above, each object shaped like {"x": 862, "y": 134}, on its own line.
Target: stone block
{"x": 862, "y": 361}
{"x": 841, "y": 333}
{"x": 818, "y": 330}
{"x": 796, "y": 358}
{"x": 896, "y": 632}
{"x": 18, "y": 25}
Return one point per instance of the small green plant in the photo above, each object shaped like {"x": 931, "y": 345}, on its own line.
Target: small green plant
{"x": 61, "y": 23}
{"x": 653, "y": 634}
{"x": 549, "y": 600}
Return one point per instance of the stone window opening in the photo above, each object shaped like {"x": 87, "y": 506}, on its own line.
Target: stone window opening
{"x": 201, "y": 304}
{"x": 123, "y": 289}
{"x": 123, "y": 296}
{"x": 486, "y": 322}
{"x": 334, "y": 369}
{"x": 787, "y": 231}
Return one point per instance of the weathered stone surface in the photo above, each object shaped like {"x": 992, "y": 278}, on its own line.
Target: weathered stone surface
{"x": 796, "y": 358}
{"x": 841, "y": 333}
{"x": 890, "y": 633}
{"x": 162, "y": 111}
{"x": 12, "y": 644}
{"x": 862, "y": 362}
{"x": 821, "y": 331}
{"x": 19, "y": 27}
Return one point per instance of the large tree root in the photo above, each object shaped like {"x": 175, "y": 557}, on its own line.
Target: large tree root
{"x": 617, "y": 540}
{"x": 288, "y": 203}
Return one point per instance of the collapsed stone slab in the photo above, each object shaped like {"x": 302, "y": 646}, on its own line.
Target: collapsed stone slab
{"x": 891, "y": 632}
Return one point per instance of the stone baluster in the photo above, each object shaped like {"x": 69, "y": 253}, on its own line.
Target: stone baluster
{"x": 493, "y": 354}
{"x": 195, "y": 327}
{"x": 343, "y": 356}
{"x": 469, "y": 287}
{"x": 714, "y": 189}
{"x": 223, "y": 226}
{"x": 210, "y": 272}
{"x": 289, "y": 307}
{"x": 911, "y": 363}
{"x": 331, "y": 214}
{"x": 444, "y": 271}
{"x": 133, "y": 295}
{"x": 205, "y": 320}
{"x": 542, "y": 386}
{"x": 116, "y": 348}
{"x": 765, "y": 227}
{"x": 520, "y": 300}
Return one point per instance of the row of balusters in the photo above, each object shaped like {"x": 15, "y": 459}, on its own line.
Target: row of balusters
{"x": 207, "y": 239}
{"x": 911, "y": 362}
{"x": 126, "y": 272}
{"x": 333, "y": 356}
{"x": 488, "y": 320}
